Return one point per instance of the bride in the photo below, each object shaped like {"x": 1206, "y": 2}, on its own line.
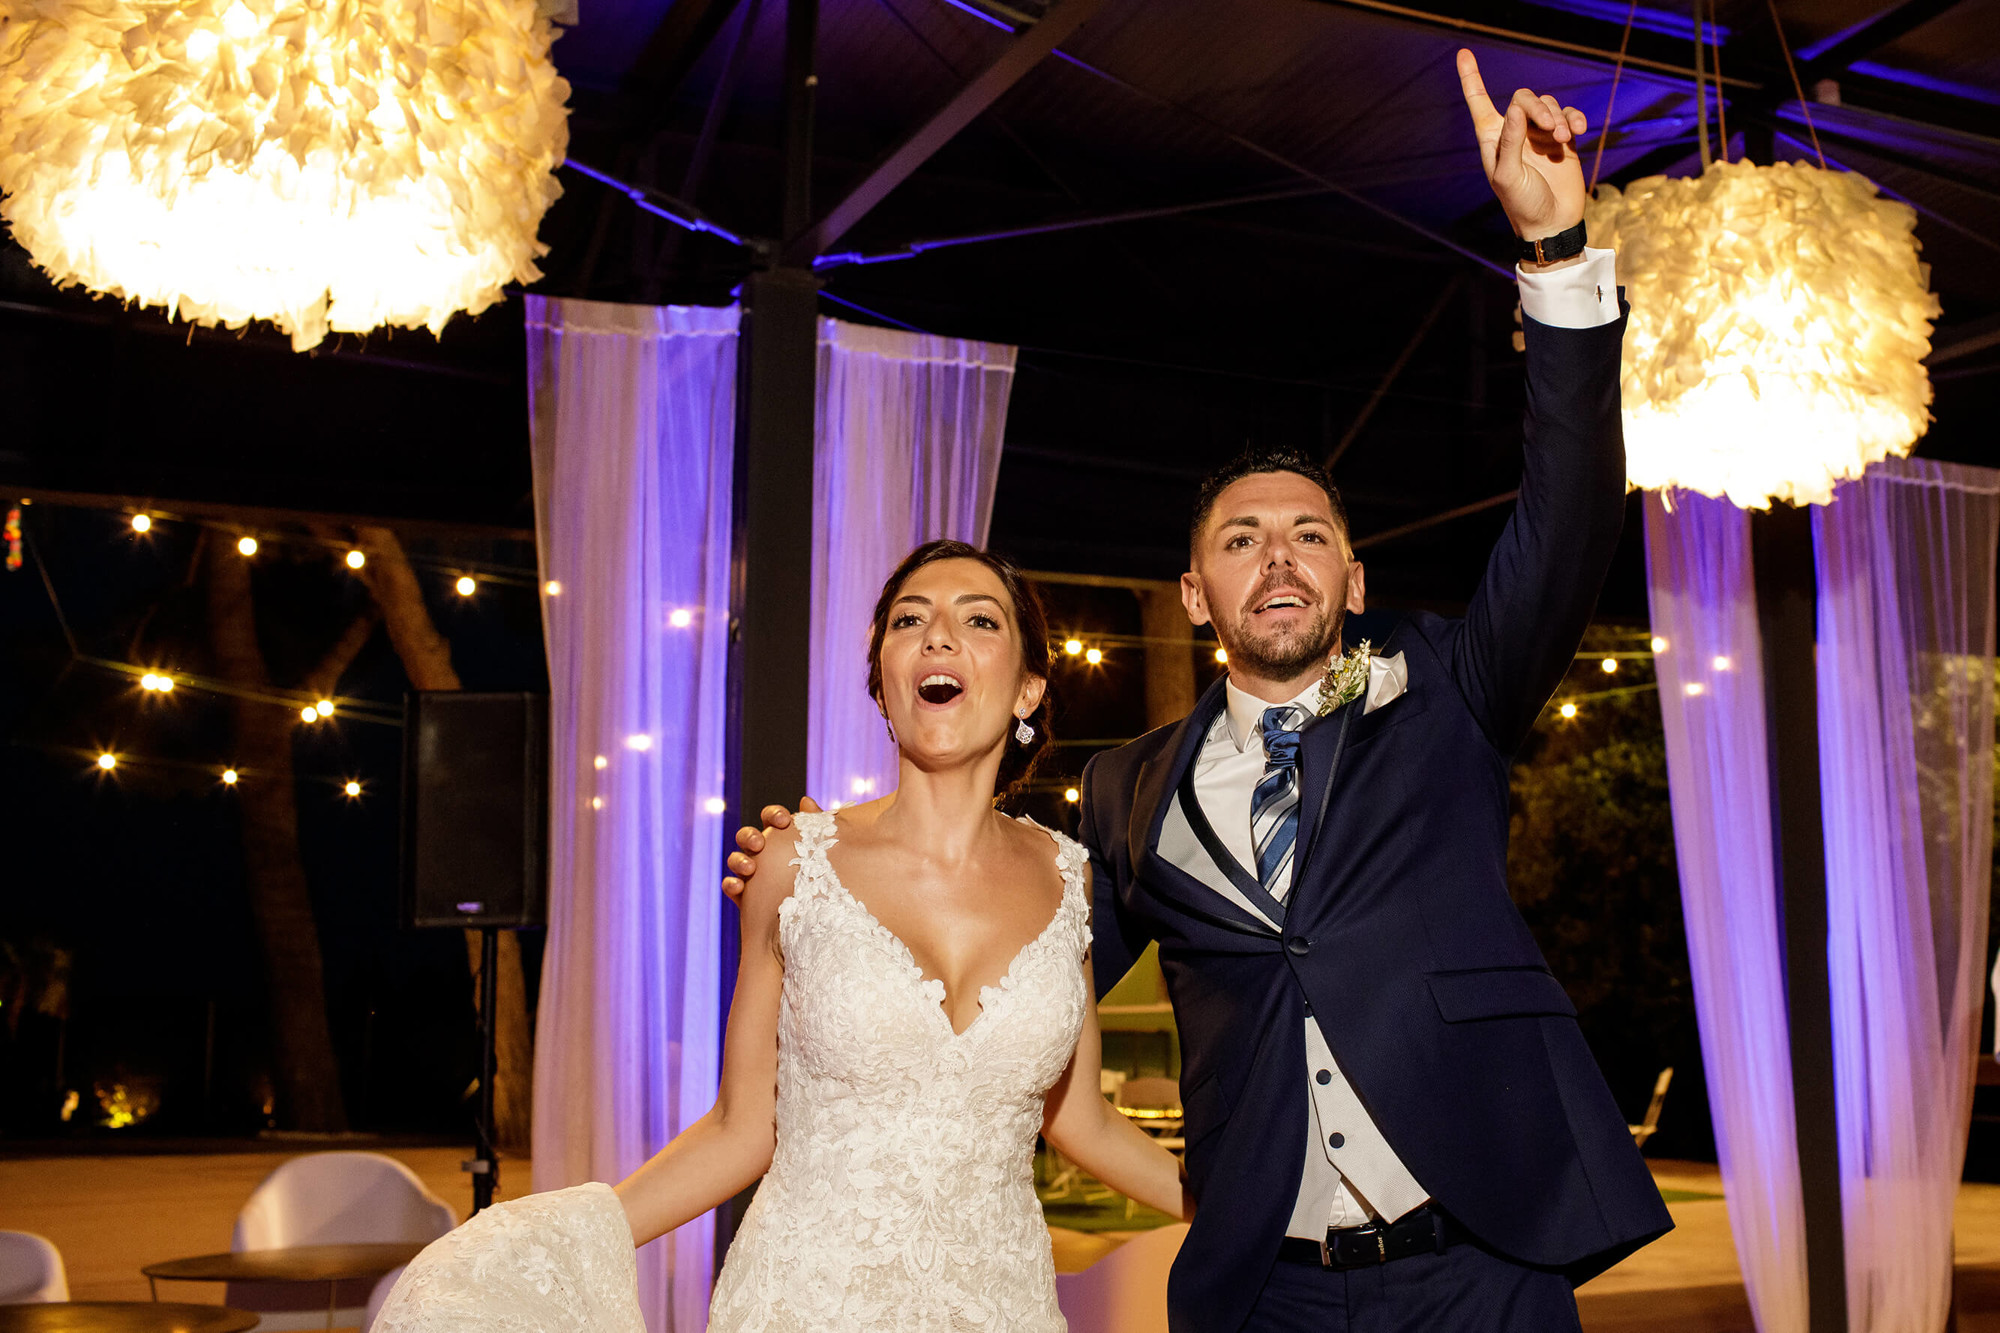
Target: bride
{"x": 913, "y": 1006}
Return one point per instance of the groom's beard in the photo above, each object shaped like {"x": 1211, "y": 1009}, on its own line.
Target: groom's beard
{"x": 1285, "y": 653}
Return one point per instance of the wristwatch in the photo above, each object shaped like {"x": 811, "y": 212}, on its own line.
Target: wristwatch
{"x": 1547, "y": 250}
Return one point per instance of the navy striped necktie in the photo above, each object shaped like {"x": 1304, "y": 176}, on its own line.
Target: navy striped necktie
{"x": 1274, "y": 809}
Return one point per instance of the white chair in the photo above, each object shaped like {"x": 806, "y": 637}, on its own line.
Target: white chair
{"x": 379, "y": 1295}
{"x": 330, "y": 1198}
{"x": 1645, "y": 1128}
{"x": 1126, "y": 1290}
{"x": 31, "y": 1270}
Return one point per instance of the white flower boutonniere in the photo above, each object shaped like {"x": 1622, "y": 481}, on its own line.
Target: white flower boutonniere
{"x": 1346, "y": 678}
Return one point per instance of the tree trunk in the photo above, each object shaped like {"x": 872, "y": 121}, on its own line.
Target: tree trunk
{"x": 1170, "y": 691}
{"x": 426, "y": 657}
{"x": 308, "y": 1076}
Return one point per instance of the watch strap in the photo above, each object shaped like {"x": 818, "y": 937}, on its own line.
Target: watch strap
{"x": 1549, "y": 249}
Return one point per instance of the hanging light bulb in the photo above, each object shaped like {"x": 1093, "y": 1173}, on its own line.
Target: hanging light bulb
{"x": 229, "y": 777}
{"x": 107, "y": 761}
{"x": 1609, "y": 666}
{"x": 322, "y": 166}
{"x": 309, "y": 714}
{"x": 1072, "y": 646}
{"x": 1567, "y": 710}
{"x": 352, "y": 789}
{"x": 356, "y": 559}
{"x": 247, "y": 545}
{"x": 142, "y": 523}
{"x": 324, "y": 708}
{"x": 466, "y": 585}
{"x": 1093, "y": 656}
{"x": 1780, "y": 318}
{"x": 1072, "y": 795}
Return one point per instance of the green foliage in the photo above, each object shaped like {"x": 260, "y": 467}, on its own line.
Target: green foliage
{"x": 1591, "y": 864}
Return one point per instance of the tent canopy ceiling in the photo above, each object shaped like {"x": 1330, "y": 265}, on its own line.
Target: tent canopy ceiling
{"x": 1305, "y": 267}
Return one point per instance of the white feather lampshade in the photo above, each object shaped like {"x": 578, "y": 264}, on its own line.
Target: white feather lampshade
{"x": 1780, "y": 318}
{"x": 322, "y": 164}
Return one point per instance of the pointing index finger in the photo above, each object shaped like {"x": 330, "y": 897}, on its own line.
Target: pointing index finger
{"x": 1476, "y": 100}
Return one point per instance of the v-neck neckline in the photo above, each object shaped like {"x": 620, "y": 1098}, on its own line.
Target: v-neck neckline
{"x": 926, "y": 984}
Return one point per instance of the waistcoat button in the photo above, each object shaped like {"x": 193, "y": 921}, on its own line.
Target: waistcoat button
{"x": 1336, "y": 1140}
{"x": 1324, "y": 1077}
{"x": 1299, "y": 946}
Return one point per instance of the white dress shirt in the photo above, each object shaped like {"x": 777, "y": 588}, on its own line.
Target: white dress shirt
{"x": 1363, "y": 1178}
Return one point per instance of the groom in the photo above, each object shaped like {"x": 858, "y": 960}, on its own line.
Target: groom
{"x": 1393, "y": 1123}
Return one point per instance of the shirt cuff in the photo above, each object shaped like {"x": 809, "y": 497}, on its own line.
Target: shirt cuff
{"x": 1582, "y": 296}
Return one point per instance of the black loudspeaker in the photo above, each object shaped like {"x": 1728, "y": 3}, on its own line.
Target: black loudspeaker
{"x": 475, "y": 809}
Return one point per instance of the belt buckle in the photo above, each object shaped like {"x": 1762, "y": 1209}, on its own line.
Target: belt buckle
{"x": 1374, "y": 1230}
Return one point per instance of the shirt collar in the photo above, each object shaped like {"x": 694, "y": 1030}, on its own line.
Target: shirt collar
{"x": 1245, "y": 715}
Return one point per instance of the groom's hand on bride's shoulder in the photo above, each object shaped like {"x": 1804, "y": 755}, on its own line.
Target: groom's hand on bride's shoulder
{"x": 750, "y": 841}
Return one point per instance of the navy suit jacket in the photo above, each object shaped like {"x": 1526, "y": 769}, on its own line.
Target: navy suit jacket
{"x": 1399, "y": 931}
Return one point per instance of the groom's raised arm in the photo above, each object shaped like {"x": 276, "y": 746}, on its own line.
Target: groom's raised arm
{"x": 1542, "y": 581}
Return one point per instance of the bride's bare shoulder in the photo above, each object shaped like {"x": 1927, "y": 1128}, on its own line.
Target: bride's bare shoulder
{"x": 776, "y": 875}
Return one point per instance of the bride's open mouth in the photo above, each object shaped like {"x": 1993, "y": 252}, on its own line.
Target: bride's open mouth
{"x": 940, "y": 688}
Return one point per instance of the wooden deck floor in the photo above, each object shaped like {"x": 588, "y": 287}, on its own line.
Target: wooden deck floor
{"x": 110, "y": 1215}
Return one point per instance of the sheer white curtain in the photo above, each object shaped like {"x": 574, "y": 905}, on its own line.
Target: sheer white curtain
{"x": 1710, "y": 670}
{"x": 632, "y": 418}
{"x": 908, "y": 450}
{"x": 1905, "y": 668}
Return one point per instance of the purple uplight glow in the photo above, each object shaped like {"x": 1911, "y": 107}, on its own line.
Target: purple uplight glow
{"x": 632, "y": 413}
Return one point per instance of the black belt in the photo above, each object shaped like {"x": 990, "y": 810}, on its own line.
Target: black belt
{"x": 1425, "y": 1231}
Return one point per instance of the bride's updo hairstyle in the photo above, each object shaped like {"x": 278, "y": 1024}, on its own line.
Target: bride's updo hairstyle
{"x": 1016, "y": 760}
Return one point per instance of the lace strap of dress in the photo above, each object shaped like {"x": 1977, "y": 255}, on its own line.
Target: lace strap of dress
{"x": 815, "y": 875}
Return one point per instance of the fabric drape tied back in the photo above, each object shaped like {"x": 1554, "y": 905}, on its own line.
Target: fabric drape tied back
{"x": 907, "y": 451}
{"x": 632, "y": 421}
{"x": 1710, "y": 669}
{"x": 1906, "y": 634}
{"x": 1904, "y": 673}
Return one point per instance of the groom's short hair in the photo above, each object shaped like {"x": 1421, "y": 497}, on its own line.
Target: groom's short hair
{"x": 1256, "y": 459}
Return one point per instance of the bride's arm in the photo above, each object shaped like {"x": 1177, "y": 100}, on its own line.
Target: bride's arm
{"x": 716, "y": 1157}
{"x": 1091, "y": 1132}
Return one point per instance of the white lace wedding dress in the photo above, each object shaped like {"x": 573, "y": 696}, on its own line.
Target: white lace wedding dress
{"x": 901, "y": 1198}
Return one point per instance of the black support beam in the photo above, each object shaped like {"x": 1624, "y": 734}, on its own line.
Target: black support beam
{"x": 1022, "y": 54}
{"x": 1782, "y": 552}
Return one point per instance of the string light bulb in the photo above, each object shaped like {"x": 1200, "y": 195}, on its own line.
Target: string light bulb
{"x": 309, "y": 714}
{"x": 1610, "y": 665}
{"x": 352, "y": 788}
{"x": 597, "y": 802}
{"x": 1093, "y": 656}
{"x": 1659, "y": 644}
{"x": 1072, "y": 795}
{"x": 680, "y": 617}
{"x": 1567, "y": 710}
{"x": 247, "y": 545}
{"x": 229, "y": 777}
{"x": 1222, "y": 656}
{"x": 600, "y": 763}
{"x": 356, "y": 559}
{"x": 107, "y": 761}
{"x": 465, "y": 585}
{"x": 149, "y": 681}
{"x": 553, "y": 587}
{"x": 1072, "y": 646}
{"x": 142, "y": 523}
{"x": 639, "y": 740}
{"x": 715, "y": 805}
{"x": 1721, "y": 663}
{"x": 324, "y": 708}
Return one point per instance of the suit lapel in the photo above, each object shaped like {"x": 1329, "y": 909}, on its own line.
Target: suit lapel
{"x": 1153, "y": 797}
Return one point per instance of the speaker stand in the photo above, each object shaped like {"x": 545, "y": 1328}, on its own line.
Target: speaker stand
{"x": 485, "y": 1167}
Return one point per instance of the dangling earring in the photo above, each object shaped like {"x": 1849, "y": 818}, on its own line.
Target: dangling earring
{"x": 1023, "y": 732}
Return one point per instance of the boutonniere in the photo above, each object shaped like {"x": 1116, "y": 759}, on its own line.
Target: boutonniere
{"x": 1346, "y": 677}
